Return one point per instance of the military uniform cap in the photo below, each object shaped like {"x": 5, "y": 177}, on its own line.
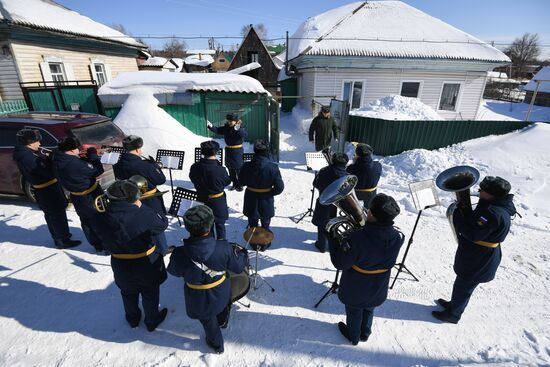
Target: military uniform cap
{"x": 496, "y": 186}
{"x": 123, "y": 190}
{"x": 209, "y": 148}
{"x": 132, "y": 142}
{"x": 198, "y": 220}
{"x": 28, "y": 136}
{"x": 384, "y": 208}
{"x": 68, "y": 143}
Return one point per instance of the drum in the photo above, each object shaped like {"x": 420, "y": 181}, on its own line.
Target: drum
{"x": 240, "y": 282}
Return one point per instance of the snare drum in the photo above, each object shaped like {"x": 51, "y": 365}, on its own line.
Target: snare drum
{"x": 240, "y": 282}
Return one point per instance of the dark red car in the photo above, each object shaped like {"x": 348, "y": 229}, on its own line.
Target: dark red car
{"x": 90, "y": 129}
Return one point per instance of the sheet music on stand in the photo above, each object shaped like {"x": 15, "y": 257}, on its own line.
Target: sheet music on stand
{"x": 315, "y": 161}
{"x": 219, "y": 156}
{"x": 171, "y": 159}
{"x": 424, "y": 194}
{"x": 182, "y": 200}
{"x": 110, "y": 158}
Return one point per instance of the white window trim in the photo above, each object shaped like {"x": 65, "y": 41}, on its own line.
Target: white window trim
{"x": 55, "y": 59}
{"x": 420, "y": 87}
{"x": 344, "y": 81}
{"x": 458, "y": 100}
{"x": 63, "y": 70}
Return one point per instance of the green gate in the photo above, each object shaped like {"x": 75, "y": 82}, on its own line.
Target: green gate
{"x": 80, "y": 96}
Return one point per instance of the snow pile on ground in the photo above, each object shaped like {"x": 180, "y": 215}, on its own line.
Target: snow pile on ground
{"x": 140, "y": 115}
{"x": 395, "y": 107}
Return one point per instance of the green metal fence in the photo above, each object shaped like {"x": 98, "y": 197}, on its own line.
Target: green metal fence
{"x": 78, "y": 96}
{"x": 394, "y": 137}
{"x": 17, "y": 105}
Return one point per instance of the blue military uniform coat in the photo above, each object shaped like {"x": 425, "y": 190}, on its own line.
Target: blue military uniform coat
{"x": 368, "y": 174}
{"x": 232, "y": 137}
{"x": 131, "y": 164}
{"x": 209, "y": 178}
{"x": 327, "y": 175}
{"x": 374, "y": 247}
{"x": 217, "y": 255}
{"x": 260, "y": 173}
{"x": 489, "y": 222}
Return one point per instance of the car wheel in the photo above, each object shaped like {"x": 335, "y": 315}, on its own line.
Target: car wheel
{"x": 29, "y": 191}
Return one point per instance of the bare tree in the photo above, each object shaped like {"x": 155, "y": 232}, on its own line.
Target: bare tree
{"x": 173, "y": 48}
{"x": 523, "y": 50}
{"x": 260, "y": 29}
{"x": 120, "y": 27}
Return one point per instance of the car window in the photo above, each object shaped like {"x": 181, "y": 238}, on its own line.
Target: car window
{"x": 102, "y": 133}
{"x": 7, "y": 136}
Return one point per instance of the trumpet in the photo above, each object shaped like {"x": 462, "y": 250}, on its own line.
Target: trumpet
{"x": 101, "y": 203}
{"x": 45, "y": 151}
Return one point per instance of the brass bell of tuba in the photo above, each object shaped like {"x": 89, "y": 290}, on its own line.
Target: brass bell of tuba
{"x": 101, "y": 203}
{"x": 458, "y": 179}
{"x": 341, "y": 194}
{"x": 141, "y": 183}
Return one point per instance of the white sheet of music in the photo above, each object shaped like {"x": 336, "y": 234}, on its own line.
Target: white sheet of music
{"x": 110, "y": 158}
{"x": 169, "y": 161}
{"x": 186, "y": 205}
{"x": 425, "y": 198}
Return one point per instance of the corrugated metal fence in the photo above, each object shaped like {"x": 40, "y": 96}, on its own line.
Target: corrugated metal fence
{"x": 393, "y": 137}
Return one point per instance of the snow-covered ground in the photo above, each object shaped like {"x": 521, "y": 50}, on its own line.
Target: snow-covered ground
{"x": 61, "y": 308}
{"x": 500, "y": 110}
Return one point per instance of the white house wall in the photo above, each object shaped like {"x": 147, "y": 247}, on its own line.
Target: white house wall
{"x": 379, "y": 83}
{"x": 9, "y": 80}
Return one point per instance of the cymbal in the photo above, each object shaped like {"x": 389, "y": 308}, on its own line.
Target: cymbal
{"x": 258, "y": 236}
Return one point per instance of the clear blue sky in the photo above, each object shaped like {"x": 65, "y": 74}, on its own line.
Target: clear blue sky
{"x": 490, "y": 20}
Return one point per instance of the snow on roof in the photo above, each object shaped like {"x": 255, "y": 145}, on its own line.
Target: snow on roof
{"x": 155, "y": 61}
{"x": 245, "y": 68}
{"x": 395, "y": 107}
{"x": 386, "y": 29}
{"x": 48, "y": 15}
{"x": 155, "y": 83}
{"x": 199, "y": 60}
{"x": 543, "y": 74}
{"x": 279, "y": 60}
{"x": 496, "y": 75}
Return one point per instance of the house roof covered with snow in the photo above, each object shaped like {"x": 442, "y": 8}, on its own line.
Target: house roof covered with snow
{"x": 199, "y": 60}
{"x": 155, "y": 61}
{"x": 155, "y": 82}
{"x": 543, "y": 74}
{"x": 389, "y": 29}
{"x": 50, "y": 16}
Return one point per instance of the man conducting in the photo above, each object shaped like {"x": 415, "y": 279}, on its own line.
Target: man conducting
{"x": 479, "y": 233}
{"x": 323, "y": 129}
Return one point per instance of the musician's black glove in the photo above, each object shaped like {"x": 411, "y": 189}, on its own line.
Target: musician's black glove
{"x": 151, "y": 159}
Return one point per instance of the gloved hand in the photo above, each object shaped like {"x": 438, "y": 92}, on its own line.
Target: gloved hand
{"x": 151, "y": 159}
{"x": 237, "y": 127}
{"x": 209, "y": 124}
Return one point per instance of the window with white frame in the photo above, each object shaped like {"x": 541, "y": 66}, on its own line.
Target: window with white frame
{"x": 57, "y": 72}
{"x": 253, "y": 56}
{"x": 449, "y": 96}
{"x": 100, "y": 75}
{"x": 353, "y": 92}
{"x": 410, "y": 89}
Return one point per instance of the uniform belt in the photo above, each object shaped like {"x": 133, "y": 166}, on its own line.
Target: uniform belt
{"x": 368, "y": 272}
{"x": 206, "y": 286}
{"x": 146, "y": 194}
{"x": 486, "y": 244}
{"x": 253, "y": 189}
{"x": 366, "y": 190}
{"x": 215, "y": 196}
{"x": 85, "y": 192}
{"x": 234, "y": 146}
{"x": 45, "y": 184}
{"x": 134, "y": 256}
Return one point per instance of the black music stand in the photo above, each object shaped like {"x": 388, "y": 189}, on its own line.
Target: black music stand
{"x": 181, "y": 195}
{"x": 424, "y": 196}
{"x": 247, "y": 157}
{"x": 113, "y": 155}
{"x": 314, "y": 162}
{"x": 170, "y": 162}
{"x": 333, "y": 288}
{"x": 219, "y": 156}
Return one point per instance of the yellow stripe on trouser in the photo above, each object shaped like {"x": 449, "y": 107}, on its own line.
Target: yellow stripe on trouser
{"x": 369, "y": 272}
{"x": 234, "y": 146}
{"x": 45, "y": 184}
{"x": 486, "y": 244}
{"x": 253, "y": 189}
{"x": 85, "y": 192}
{"x": 134, "y": 256}
{"x": 207, "y": 286}
{"x": 366, "y": 190}
{"x": 215, "y": 196}
{"x": 148, "y": 193}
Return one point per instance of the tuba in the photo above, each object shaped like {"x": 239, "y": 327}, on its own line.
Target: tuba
{"x": 341, "y": 194}
{"x": 458, "y": 179}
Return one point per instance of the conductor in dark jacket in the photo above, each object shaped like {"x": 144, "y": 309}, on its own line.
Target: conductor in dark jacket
{"x": 323, "y": 129}
{"x": 263, "y": 181}
{"x": 234, "y": 135}
{"x": 127, "y": 229}
{"x": 79, "y": 176}
{"x": 36, "y": 168}
{"x": 210, "y": 180}
{"x": 479, "y": 233}
{"x": 366, "y": 257}
{"x": 130, "y": 164}
{"x": 203, "y": 261}
{"x": 367, "y": 171}
{"x": 323, "y": 213}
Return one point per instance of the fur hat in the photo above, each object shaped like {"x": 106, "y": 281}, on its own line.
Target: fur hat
{"x": 496, "y": 186}
{"x": 363, "y": 150}
{"x": 261, "y": 147}
{"x": 68, "y": 143}
{"x": 325, "y": 109}
{"x": 198, "y": 220}
{"x": 123, "y": 190}
{"x": 232, "y": 117}
{"x": 340, "y": 159}
{"x": 209, "y": 148}
{"x": 384, "y": 208}
{"x": 132, "y": 142}
{"x": 28, "y": 136}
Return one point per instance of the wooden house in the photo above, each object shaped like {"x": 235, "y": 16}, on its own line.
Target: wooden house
{"x": 221, "y": 62}
{"x": 541, "y": 85}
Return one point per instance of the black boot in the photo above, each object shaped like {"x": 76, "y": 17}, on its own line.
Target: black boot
{"x": 344, "y": 330}
{"x": 445, "y": 316}
{"x": 445, "y": 304}
{"x": 321, "y": 249}
{"x": 223, "y": 317}
{"x": 133, "y": 320}
{"x": 162, "y": 316}
{"x": 68, "y": 243}
{"x": 218, "y": 350}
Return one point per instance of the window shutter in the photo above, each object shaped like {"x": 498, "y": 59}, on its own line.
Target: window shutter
{"x": 93, "y": 74}
{"x": 69, "y": 73}
{"x": 45, "y": 69}
{"x": 108, "y": 72}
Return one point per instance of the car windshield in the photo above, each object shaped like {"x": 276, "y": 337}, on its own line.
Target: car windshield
{"x": 103, "y": 133}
